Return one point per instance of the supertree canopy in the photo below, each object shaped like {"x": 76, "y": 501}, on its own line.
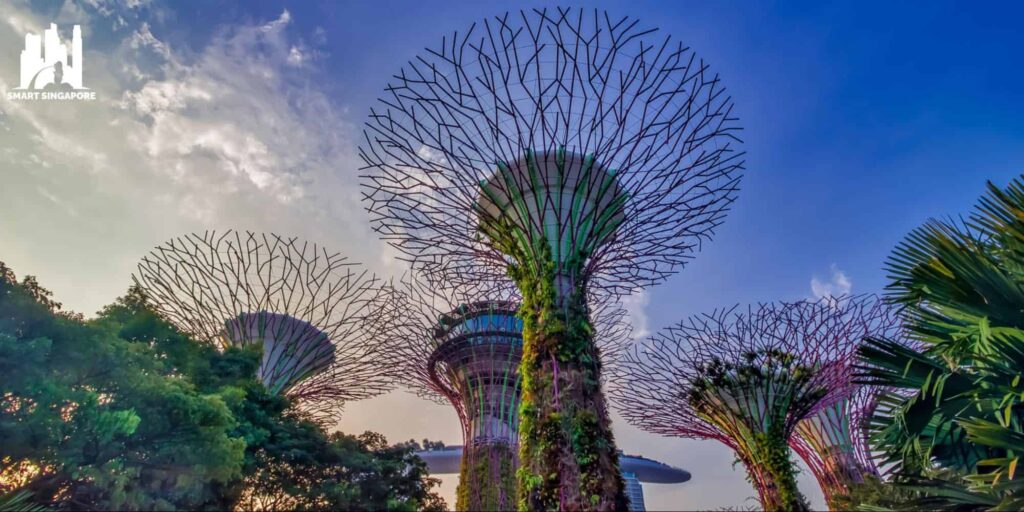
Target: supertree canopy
{"x": 463, "y": 348}
{"x": 309, "y": 311}
{"x": 747, "y": 379}
{"x": 574, "y": 152}
{"x": 834, "y": 441}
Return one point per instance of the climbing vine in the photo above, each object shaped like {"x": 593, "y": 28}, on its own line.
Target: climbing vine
{"x": 487, "y": 479}
{"x": 567, "y": 451}
{"x": 771, "y": 451}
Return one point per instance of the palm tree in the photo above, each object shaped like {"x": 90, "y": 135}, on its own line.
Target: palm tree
{"x": 19, "y": 501}
{"x": 951, "y": 430}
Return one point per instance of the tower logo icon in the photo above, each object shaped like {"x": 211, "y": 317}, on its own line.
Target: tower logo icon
{"x": 47, "y": 64}
{"x": 51, "y": 69}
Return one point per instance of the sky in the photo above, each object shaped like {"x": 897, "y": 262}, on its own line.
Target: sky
{"x": 860, "y": 121}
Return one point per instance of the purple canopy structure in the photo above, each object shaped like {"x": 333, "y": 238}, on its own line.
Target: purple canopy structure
{"x": 749, "y": 379}
{"x": 833, "y": 442}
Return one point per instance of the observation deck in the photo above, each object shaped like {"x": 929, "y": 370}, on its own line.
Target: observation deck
{"x": 479, "y": 347}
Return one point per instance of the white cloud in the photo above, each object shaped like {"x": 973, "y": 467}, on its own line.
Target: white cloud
{"x": 143, "y": 37}
{"x": 111, "y": 7}
{"x": 636, "y": 305}
{"x": 282, "y": 20}
{"x": 23, "y": 24}
{"x": 236, "y": 118}
{"x": 431, "y": 155}
{"x": 157, "y": 98}
{"x": 296, "y": 57}
{"x": 837, "y": 285}
{"x": 232, "y": 134}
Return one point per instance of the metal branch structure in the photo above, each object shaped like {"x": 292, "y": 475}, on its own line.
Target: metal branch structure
{"x": 577, "y": 153}
{"x": 309, "y": 310}
{"x": 464, "y": 348}
{"x": 575, "y": 128}
{"x": 748, "y": 379}
{"x": 834, "y": 441}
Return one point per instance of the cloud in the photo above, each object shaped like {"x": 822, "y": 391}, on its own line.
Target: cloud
{"x": 837, "y": 285}
{"x": 233, "y": 134}
{"x": 22, "y": 23}
{"x": 296, "y": 57}
{"x": 110, "y": 7}
{"x": 636, "y": 305}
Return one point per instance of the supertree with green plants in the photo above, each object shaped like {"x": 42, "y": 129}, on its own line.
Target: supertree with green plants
{"x": 746, "y": 378}
{"x": 463, "y": 348}
{"x": 309, "y": 310}
{"x": 579, "y": 154}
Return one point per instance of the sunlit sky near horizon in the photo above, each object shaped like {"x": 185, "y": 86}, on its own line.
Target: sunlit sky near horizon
{"x": 860, "y": 122}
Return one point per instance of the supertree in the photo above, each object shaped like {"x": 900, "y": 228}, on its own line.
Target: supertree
{"x": 747, "y": 379}
{"x": 309, "y": 310}
{"x": 576, "y": 153}
{"x": 834, "y": 441}
{"x": 463, "y": 348}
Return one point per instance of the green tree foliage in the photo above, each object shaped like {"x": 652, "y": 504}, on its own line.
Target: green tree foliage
{"x": 97, "y": 421}
{"x": 125, "y": 412}
{"x": 295, "y": 466}
{"x": 952, "y": 431}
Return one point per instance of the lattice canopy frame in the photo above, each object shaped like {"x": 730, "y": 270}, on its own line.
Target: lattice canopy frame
{"x": 309, "y": 309}
{"x": 747, "y": 378}
{"x": 614, "y": 147}
{"x": 834, "y": 441}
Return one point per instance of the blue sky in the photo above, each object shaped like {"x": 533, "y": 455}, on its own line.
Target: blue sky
{"x": 860, "y": 122}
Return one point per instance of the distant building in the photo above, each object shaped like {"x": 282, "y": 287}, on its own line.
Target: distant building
{"x": 634, "y": 491}
{"x": 635, "y": 470}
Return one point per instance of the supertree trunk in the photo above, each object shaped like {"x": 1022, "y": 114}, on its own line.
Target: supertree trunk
{"x": 760, "y": 445}
{"x": 487, "y": 479}
{"x": 834, "y": 442}
{"x": 567, "y": 450}
{"x": 835, "y": 466}
{"x": 845, "y": 472}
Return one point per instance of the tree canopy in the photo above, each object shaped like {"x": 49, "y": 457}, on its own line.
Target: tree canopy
{"x": 125, "y": 412}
